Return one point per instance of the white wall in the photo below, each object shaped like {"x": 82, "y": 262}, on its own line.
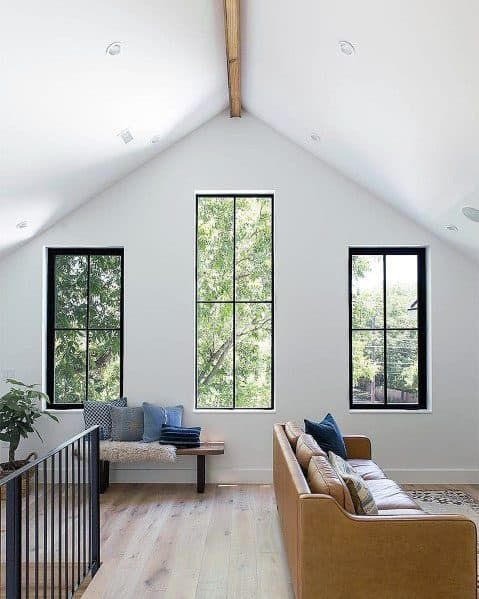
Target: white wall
{"x": 318, "y": 215}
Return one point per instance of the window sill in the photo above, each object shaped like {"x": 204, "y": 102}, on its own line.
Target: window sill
{"x": 228, "y": 411}
{"x": 391, "y": 411}
{"x": 69, "y": 411}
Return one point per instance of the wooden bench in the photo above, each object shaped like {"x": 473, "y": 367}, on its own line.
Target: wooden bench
{"x": 206, "y": 448}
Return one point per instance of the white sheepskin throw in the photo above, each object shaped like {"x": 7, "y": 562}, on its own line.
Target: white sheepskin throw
{"x": 136, "y": 451}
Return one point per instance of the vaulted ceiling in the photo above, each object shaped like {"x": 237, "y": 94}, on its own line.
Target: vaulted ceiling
{"x": 400, "y": 115}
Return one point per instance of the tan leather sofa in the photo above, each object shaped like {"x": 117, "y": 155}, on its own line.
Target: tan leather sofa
{"x": 402, "y": 553}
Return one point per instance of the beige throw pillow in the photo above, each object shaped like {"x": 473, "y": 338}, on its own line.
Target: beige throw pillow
{"x": 362, "y": 497}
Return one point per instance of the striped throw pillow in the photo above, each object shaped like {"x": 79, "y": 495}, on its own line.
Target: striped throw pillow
{"x": 340, "y": 465}
{"x": 360, "y": 494}
{"x": 362, "y": 497}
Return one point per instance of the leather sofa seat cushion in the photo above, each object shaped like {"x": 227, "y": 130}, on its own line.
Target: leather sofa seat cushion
{"x": 323, "y": 479}
{"x": 388, "y": 495}
{"x": 293, "y": 431}
{"x": 411, "y": 512}
{"x": 367, "y": 469}
{"x": 306, "y": 448}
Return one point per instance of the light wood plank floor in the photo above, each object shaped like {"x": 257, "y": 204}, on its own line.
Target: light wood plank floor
{"x": 168, "y": 541}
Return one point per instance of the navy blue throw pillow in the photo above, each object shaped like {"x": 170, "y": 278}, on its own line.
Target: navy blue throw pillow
{"x": 327, "y": 435}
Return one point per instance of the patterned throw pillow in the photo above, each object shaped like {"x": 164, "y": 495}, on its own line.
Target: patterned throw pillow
{"x": 99, "y": 412}
{"x": 360, "y": 494}
{"x": 340, "y": 465}
{"x": 126, "y": 424}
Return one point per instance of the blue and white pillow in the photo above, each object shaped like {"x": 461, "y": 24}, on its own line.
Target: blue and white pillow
{"x": 99, "y": 413}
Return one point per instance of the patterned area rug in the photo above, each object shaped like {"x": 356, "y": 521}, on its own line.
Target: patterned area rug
{"x": 448, "y": 501}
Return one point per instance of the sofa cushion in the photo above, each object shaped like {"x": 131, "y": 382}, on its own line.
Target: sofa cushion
{"x": 411, "y": 512}
{"x": 293, "y": 431}
{"x": 367, "y": 469}
{"x": 306, "y": 448}
{"x": 361, "y": 495}
{"x": 327, "y": 435}
{"x": 323, "y": 479}
{"x": 388, "y": 495}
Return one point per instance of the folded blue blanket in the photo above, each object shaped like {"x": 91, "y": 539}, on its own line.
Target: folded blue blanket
{"x": 181, "y": 429}
{"x": 180, "y": 436}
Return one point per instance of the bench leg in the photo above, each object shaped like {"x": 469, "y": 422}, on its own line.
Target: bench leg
{"x": 104, "y": 476}
{"x": 200, "y": 473}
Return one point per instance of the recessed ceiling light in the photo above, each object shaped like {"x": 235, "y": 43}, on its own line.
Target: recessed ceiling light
{"x": 156, "y": 139}
{"x": 126, "y": 136}
{"x": 315, "y": 137}
{"x": 22, "y": 224}
{"x": 347, "y": 47}
{"x": 113, "y": 49}
{"x": 471, "y": 213}
{"x": 452, "y": 228}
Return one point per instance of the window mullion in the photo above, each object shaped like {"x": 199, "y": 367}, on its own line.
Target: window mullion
{"x": 234, "y": 302}
{"x": 87, "y": 340}
{"x": 385, "y": 391}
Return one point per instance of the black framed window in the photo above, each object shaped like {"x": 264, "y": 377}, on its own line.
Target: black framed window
{"x": 234, "y": 302}
{"x": 84, "y": 325}
{"x": 387, "y": 316}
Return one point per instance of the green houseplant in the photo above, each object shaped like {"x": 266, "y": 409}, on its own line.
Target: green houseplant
{"x": 19, "y": 410}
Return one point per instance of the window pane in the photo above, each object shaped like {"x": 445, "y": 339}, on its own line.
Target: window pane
{"x": 70, "y": 366}
{"x": 367, "y": 292}
{"x": 215, "y": 355}
{"x": 368, "y": 367}
{"x": 402, "y": 365}
{"x": 105, "y": 291}
{"x": 104, "y": 365}
{"x": 401, "y": 291}
{"x": 71, "y": 291}
{"x": 253, "y": 356}
{"x": 253, "y": 249}
{"x": 215, "y": 249}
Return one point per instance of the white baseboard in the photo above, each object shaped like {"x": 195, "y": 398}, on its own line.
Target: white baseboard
{"x": 435, "y": 476}
{"x": 186, "y": 473}
{"x": 170, "y": 474}
{"x": 230, "y": 476}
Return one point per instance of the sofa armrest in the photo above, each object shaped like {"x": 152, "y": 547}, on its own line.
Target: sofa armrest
{"x": 358, "y": 447}
{"x": 397, "y": 557}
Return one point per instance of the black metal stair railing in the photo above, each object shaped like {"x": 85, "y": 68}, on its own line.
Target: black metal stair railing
{"x": 50, "y": 522}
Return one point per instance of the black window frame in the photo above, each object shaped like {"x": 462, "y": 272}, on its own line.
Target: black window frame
{"x": 421, "y": 328}
{"x": 52, "y": 253}
{"x": 234, "y": 302}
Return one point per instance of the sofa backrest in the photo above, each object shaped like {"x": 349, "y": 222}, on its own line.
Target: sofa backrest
{"x": 293, "y": 431}
{"x": 324, "y": 480}
{"x": 289, "y": 483}
{"x": 306, "y": 448}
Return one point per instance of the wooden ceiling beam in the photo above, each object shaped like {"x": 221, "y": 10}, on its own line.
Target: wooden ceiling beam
{"x": 233, "y": 56}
